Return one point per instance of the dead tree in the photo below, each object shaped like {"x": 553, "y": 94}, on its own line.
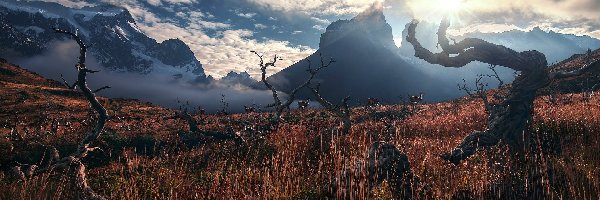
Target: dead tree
{"x": 73, "y": 163}
{"x": 373, "y": 102}
{"x": 588, "y": 89}
{"x": 279, "y": 105}
{"x": 416, "y": 99}
{"x": 341, "y": 111}
{"x": 193, "y": 128}
{"x": 249, "y": 109}
{"x": 480, "y": 90}
{"x": 224, "y": 106}
{"x": 303, "y": 104}
{"x": 509, "y": 121}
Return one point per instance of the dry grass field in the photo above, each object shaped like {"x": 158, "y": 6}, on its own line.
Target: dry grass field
{"x": 147, "y": 152}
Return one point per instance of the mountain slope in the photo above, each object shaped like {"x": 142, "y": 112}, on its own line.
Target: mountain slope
{"x": 116, "y": 41}
{"x": 144, "y": 143}
{"x": 556, "y": 46}
{"x": 367, "y": 63}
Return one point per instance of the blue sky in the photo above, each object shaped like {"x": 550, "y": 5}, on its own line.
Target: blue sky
{"x": 221, "y": 33}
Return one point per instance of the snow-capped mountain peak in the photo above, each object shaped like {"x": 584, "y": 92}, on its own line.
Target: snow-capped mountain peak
{"x": 116, "y": 40}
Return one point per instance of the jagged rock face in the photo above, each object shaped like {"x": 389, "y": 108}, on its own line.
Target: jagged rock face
{"x": 242, "y": 78}
{"x": 367, "y": 64}
{"x": 164, "y": 52}
{"x": 370, "y": 24}
{"x": 115, "y": 39}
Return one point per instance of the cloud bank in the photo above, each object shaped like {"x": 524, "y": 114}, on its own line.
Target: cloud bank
{"x": 224, "y": 43}
{"x": 62, "y": 56}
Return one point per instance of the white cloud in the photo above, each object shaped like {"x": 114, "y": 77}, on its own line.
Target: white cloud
{"x": 227, "y": 51}
{"x": 154, "y": 2}
{"x": 319, "y": 27}
{"x": 321, "y": 21}
{"x": 212, "y": 25}
{"x": 72, "y": 3}
{"x": 335, "y": 7}
{"x": 564, "y": 16}
{"x": 162, "y": 2}
{"x": 232, "y": 52}
{"x": 260, "y": 26}
{"x": 246, "y": 15}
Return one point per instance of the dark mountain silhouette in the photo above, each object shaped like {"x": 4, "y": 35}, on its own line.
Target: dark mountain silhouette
{"x": 370, "y": 65}
{"x": 367, "y": 64}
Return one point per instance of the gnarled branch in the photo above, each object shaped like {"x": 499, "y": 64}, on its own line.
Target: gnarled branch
{"x": 102, "y": 88}
{"x": 342, "y": 111}
{"x": 82, "y": 72}
{"x": 70, "y": 86}
{"x": 193, "y": 127}
{"x": 509, "y": 120}
{"x": 586, "y": 68}
{"x": 471, "y": 49}
{"x": 83, "y": 148}
{"x": 279, "y": 105}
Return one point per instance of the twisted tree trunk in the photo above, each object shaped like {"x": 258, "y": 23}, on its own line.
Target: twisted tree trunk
{"x": 193, "y": 127}
{"x": 74, "y": 161}
{"x": 508, "y": 121}
{"x": 279, "y": 105}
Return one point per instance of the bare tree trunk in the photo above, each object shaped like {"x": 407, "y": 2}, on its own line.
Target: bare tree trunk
{"x": 508, "y": 121}
{"x": 279, "y": 105}
{"x": 341, "y": 111}
{"x": 193, "y": 127}
{"x": 83, "y": 149}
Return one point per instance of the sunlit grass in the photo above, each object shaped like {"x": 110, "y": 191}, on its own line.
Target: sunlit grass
{"x": 302, "y": 159}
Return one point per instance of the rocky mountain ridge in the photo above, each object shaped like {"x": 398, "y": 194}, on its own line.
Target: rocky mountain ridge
{"x": 115, "y": 39}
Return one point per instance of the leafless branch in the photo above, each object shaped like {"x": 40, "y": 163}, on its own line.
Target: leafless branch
{"x": 479, "y": 91}
{"x": 495, "y": 75}
{"x": 67, "y": 84}
{"x": 586, "y": 68}
{"x": 193, "y": 127}
{"x": 471, "y": 49}
{"x": 74, "y": 160}
{"x": 279, "y": 105}
{"x": 102, "y": 88}
{"x": 511, "y": 117}
{"x": 342, "y": 110}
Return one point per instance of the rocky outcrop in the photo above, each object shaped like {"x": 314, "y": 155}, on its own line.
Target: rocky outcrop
{"x": 115, "y": 39}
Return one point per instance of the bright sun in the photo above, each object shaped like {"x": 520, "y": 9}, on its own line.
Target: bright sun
{"x": 434, "y": 10}
{"x": 451, "y": 6}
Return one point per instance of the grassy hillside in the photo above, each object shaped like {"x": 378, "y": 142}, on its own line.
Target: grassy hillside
{"x": 147, "y": 152}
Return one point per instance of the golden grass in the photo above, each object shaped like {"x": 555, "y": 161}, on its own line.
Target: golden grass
{"x": 144, "y": 156}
